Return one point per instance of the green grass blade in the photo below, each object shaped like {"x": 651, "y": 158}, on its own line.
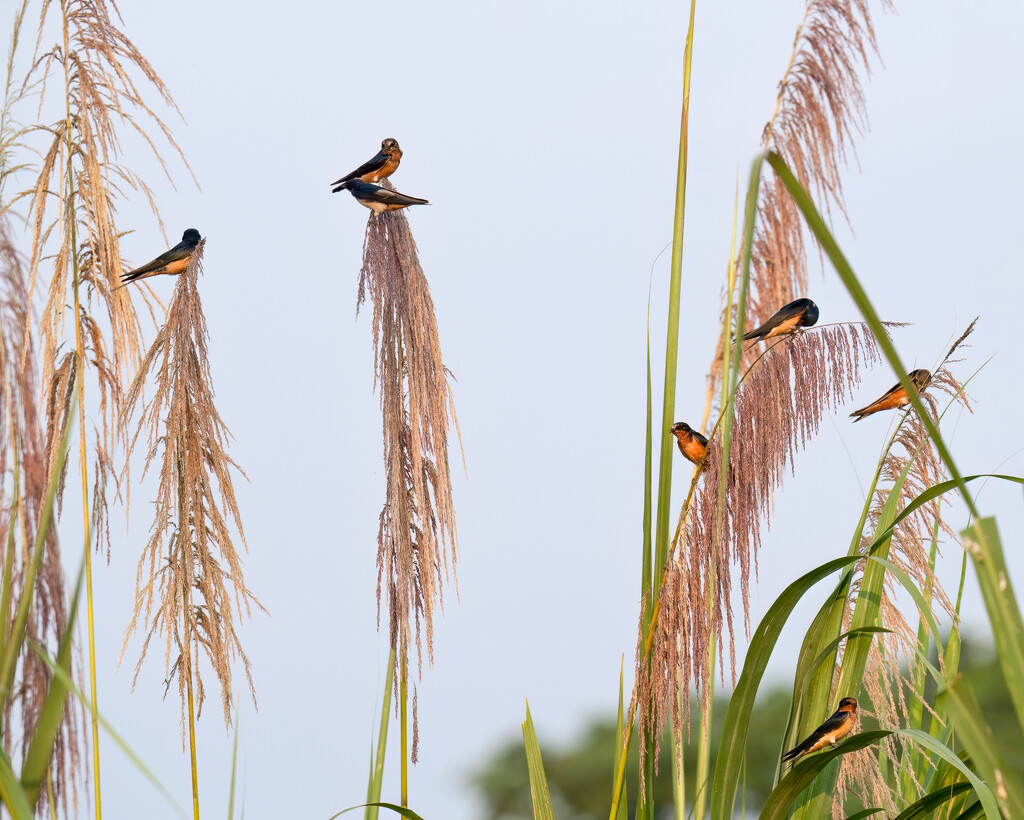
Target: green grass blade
{"x": 542, "y": 809}
{"x": 646, "y": 565}
{"x": 11, "y": 792}
{"x": 409, "y": 813}
{"x": 830, "y": 649}
{"x": 620, "y": 750}
{"x": 860, "y": 815}
{"x": 376, "y": 779}
{"x": 234, "y": 768}
{"x": 986, "y": 551}
{"x": 70, "y": 685}
{"x": 929, "y": 804}
{"x": 780, "y": 800}
{"x": 16, "y": 639}
{"x": 778, "y": 804}
{"x": 975, "y": 734}
{"x": 971, "y": 812}
{"x": 729, "y": 764}
{"x": 934, "y": 492}
{"x": 985, "y": 795}
{"x": 6, "y": 587}
{"x": 40, "y": 745}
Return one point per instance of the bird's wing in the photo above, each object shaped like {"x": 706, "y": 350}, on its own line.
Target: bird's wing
{"x": 374, "y": 164}
{"x": 403, "y": 199}
{"x": 771, "y": 324}
{"x": 180, "y": 251}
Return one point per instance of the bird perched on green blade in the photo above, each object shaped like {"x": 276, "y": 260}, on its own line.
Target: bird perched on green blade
{"x": 830, "y": 732}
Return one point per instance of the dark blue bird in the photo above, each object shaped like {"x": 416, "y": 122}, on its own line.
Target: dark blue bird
{"x": 789, "y": 319}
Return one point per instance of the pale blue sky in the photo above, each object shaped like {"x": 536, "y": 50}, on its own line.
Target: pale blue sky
{"x": 545, "y": 137}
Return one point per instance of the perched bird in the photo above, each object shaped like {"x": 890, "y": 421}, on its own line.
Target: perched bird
{"x": 382, "y": 165}
{"x": 895, "y": 396}
{"x": 376, "y": 198}
{"x": 173, "y": 261}
{"x": 691, "y": 443}
{"x": 788, "y": 319}
{"x": 831, "y": 731}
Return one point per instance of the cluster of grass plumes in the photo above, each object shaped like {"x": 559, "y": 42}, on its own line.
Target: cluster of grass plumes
{"x": 417, "y": 541}
{"x": 23, "y": 480}
{"x": 779, "y": 408}
{"x": 189, "y": 581}
{"x": 910, "y": 466}
{"x": 88, "y": 80}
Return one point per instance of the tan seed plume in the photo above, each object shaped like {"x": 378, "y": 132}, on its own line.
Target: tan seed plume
{"x": 417, "y": 541}
{"x": 189, "y": 584}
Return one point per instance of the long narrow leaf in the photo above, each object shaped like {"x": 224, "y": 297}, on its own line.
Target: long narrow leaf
{"x": 986, "y": 551}
{"x": 40, "y": 746}
{"x": 976, "y": 735}
{"x": 57, "y": 672}
{"x": 927, "y": 805}
{"x": 777, "y": 805}
{"x": 376, "y": 779}
{"x": 729, "y": 764}
{"x": 542, "y": 809}
{"x": 11, "y": 793}
{"x": 620, "y": 750}
{"x": 402, "y": 810}
{"x": 12, "y": 648}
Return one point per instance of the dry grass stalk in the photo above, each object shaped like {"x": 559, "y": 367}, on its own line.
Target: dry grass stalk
{"x": 417, "y": 539}
{"x": 778, "y": 411}
{"x": 71, "y": 205}
{"x": 189, "y": 581}
{"x": 23, "y": 485}
{"x": 819, "y": 112}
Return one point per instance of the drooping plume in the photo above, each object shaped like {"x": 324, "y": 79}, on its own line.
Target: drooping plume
{"x": 190, "y": 588}
{"x": 417, "y": 541}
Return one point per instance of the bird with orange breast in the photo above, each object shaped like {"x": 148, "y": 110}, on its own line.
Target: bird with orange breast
{"x": 383, "y": 165}
{"x": 691, "y": 443}
{"x": 895, "y": 396}
{"x": 171, "y": 262}
{"x": 829, "y": 733}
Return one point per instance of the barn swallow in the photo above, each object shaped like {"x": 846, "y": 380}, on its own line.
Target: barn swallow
{"x": 895, "y": 396}
{"x": 830, "y": 732}
{"x": 173, "y": 261}
{"x": 691, "y": 443}
{"x": 382, "y": 165}
{"x": 376, "y": 198}
{"x": 795, "y": 315}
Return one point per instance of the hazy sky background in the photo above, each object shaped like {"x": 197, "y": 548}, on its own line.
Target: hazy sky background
{"x": 545, "y": 136}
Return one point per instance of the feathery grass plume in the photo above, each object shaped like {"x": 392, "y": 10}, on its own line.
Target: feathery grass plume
{"x": 819, "y": 111}
{"x": 23, "y": 480}
{"x": 779, "y": 408}
{"x": 71, "y": 205}
{"x": 189, "y": 576}
{"x": 910, "y": 452}
{"x": 417, "y": 537}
